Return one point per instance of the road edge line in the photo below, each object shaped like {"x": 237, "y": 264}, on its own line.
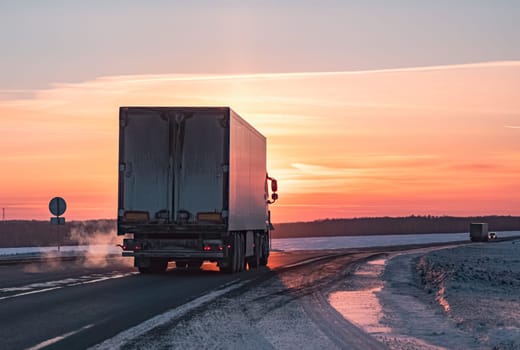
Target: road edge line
{"x": 120, "y": 339}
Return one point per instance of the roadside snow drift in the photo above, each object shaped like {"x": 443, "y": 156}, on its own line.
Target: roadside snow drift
{"x": 466, "y": 297}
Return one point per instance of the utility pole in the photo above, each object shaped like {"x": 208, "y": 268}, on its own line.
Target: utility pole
{"x": 3, "y": 214}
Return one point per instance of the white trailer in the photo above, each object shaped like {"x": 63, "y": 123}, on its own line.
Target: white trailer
{"x": 193, "y": 186}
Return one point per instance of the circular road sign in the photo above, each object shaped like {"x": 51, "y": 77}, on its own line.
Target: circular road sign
{"x": 57, "y": 206}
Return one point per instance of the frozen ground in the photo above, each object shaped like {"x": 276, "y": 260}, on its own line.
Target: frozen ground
{"x": 459, "y": 298}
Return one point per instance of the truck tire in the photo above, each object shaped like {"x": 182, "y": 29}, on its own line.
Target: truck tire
{"x": 194, "y": 264}
{"x": 157, "y": 265}
{"x": 264, "y": 260}
{"x": 254, "y": 261}
{"x": 181, "y": 264}
{"x": 232, "y": 260}
{"x": 242, "y": 257}
{"x": 238, "y": 253}
{"x": 264, "y": 257}
{"x": 144, "y": 270}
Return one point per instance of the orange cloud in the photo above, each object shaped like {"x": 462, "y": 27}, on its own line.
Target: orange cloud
{"x": 427, "y": 140}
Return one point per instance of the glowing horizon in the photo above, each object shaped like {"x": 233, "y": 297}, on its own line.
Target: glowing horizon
{"x": 439, "y": 140}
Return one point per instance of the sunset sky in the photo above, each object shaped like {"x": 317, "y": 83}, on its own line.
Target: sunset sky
{"x": 369, "y": 109}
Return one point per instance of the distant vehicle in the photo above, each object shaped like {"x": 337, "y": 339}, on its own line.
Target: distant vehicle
{"x": 478, "y": 232}
{"x": 193, "y": 187}
{"x": 492, "y": 235}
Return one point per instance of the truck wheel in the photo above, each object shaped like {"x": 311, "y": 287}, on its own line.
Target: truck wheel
{"x": 242, "y": 247}
{"x": 144, "y": 270}
{"x": 238, "y": 255}
{"x": 144, "y": 265}
{"x": 232, "y": 260}
{"x": 156, "y": 266}
{"x": 194, "y": 264}
{"x": 181, "y": 264}
{"x": 264, "y": 257}
{"x": 254, "y": 260}
{"x": 264, "y": 260}
{"x": 159, "y": 265}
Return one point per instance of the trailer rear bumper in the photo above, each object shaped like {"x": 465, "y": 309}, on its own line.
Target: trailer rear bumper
{"x": 170, "y": 229}
{"x": 175, "y": 254}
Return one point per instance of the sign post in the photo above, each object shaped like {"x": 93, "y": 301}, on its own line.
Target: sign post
{"x": 57, "y": 207}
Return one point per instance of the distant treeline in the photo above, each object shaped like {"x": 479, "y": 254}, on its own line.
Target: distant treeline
{"x": 392, "y": 225}
{"x": 26, "y": 233}
{"x": 22, "y": 233}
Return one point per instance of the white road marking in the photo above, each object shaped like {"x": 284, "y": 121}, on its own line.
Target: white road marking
{"x": 53, "y": 285}
{"x": 31, "y": 292}
{"x": 122, "y": 338}
{"x": 58, "y": 338}
{"x": 105, "y": 278}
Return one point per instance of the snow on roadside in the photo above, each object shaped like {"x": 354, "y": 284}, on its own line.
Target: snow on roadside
{"x": 465, "y": 297}
{"x": 478, "y": 289}
{"x": 268, "y": 316}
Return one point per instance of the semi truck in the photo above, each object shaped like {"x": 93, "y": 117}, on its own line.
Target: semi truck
{"x": 478, "y": 232}
{"x": 193, "y": 187}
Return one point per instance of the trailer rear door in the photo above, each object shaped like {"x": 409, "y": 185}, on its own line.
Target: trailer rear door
{"x": 174, "y": 163}
{"x": 201, "y": 163}
{"x": 145, "y": 162}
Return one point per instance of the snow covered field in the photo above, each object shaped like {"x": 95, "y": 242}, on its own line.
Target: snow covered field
{"x": 459, "y": 298}
{"x": 282, "y": 244}
{"x": 311, "y": 243}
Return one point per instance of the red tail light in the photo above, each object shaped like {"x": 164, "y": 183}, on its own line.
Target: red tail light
{"x": 212, "y": 246}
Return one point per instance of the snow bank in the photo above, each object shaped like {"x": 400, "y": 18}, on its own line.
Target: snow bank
{"x": 466, "y": 297}
{"x": 478, "y": 289}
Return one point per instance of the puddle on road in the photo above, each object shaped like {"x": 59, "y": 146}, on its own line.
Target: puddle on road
{"x": 362, "y": 307}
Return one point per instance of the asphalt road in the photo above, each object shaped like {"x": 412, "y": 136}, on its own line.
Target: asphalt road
{"x": 71, "y": 305}
{"x": 65, "y": 305}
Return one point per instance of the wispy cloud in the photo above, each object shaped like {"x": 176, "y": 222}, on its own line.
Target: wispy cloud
{"x": 153, "y": 78}
{"x": 390, "y": 134}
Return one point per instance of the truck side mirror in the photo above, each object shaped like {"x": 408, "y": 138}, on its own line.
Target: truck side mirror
{"x": 274, "y": 185}
{"x": 274, "y": 196}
